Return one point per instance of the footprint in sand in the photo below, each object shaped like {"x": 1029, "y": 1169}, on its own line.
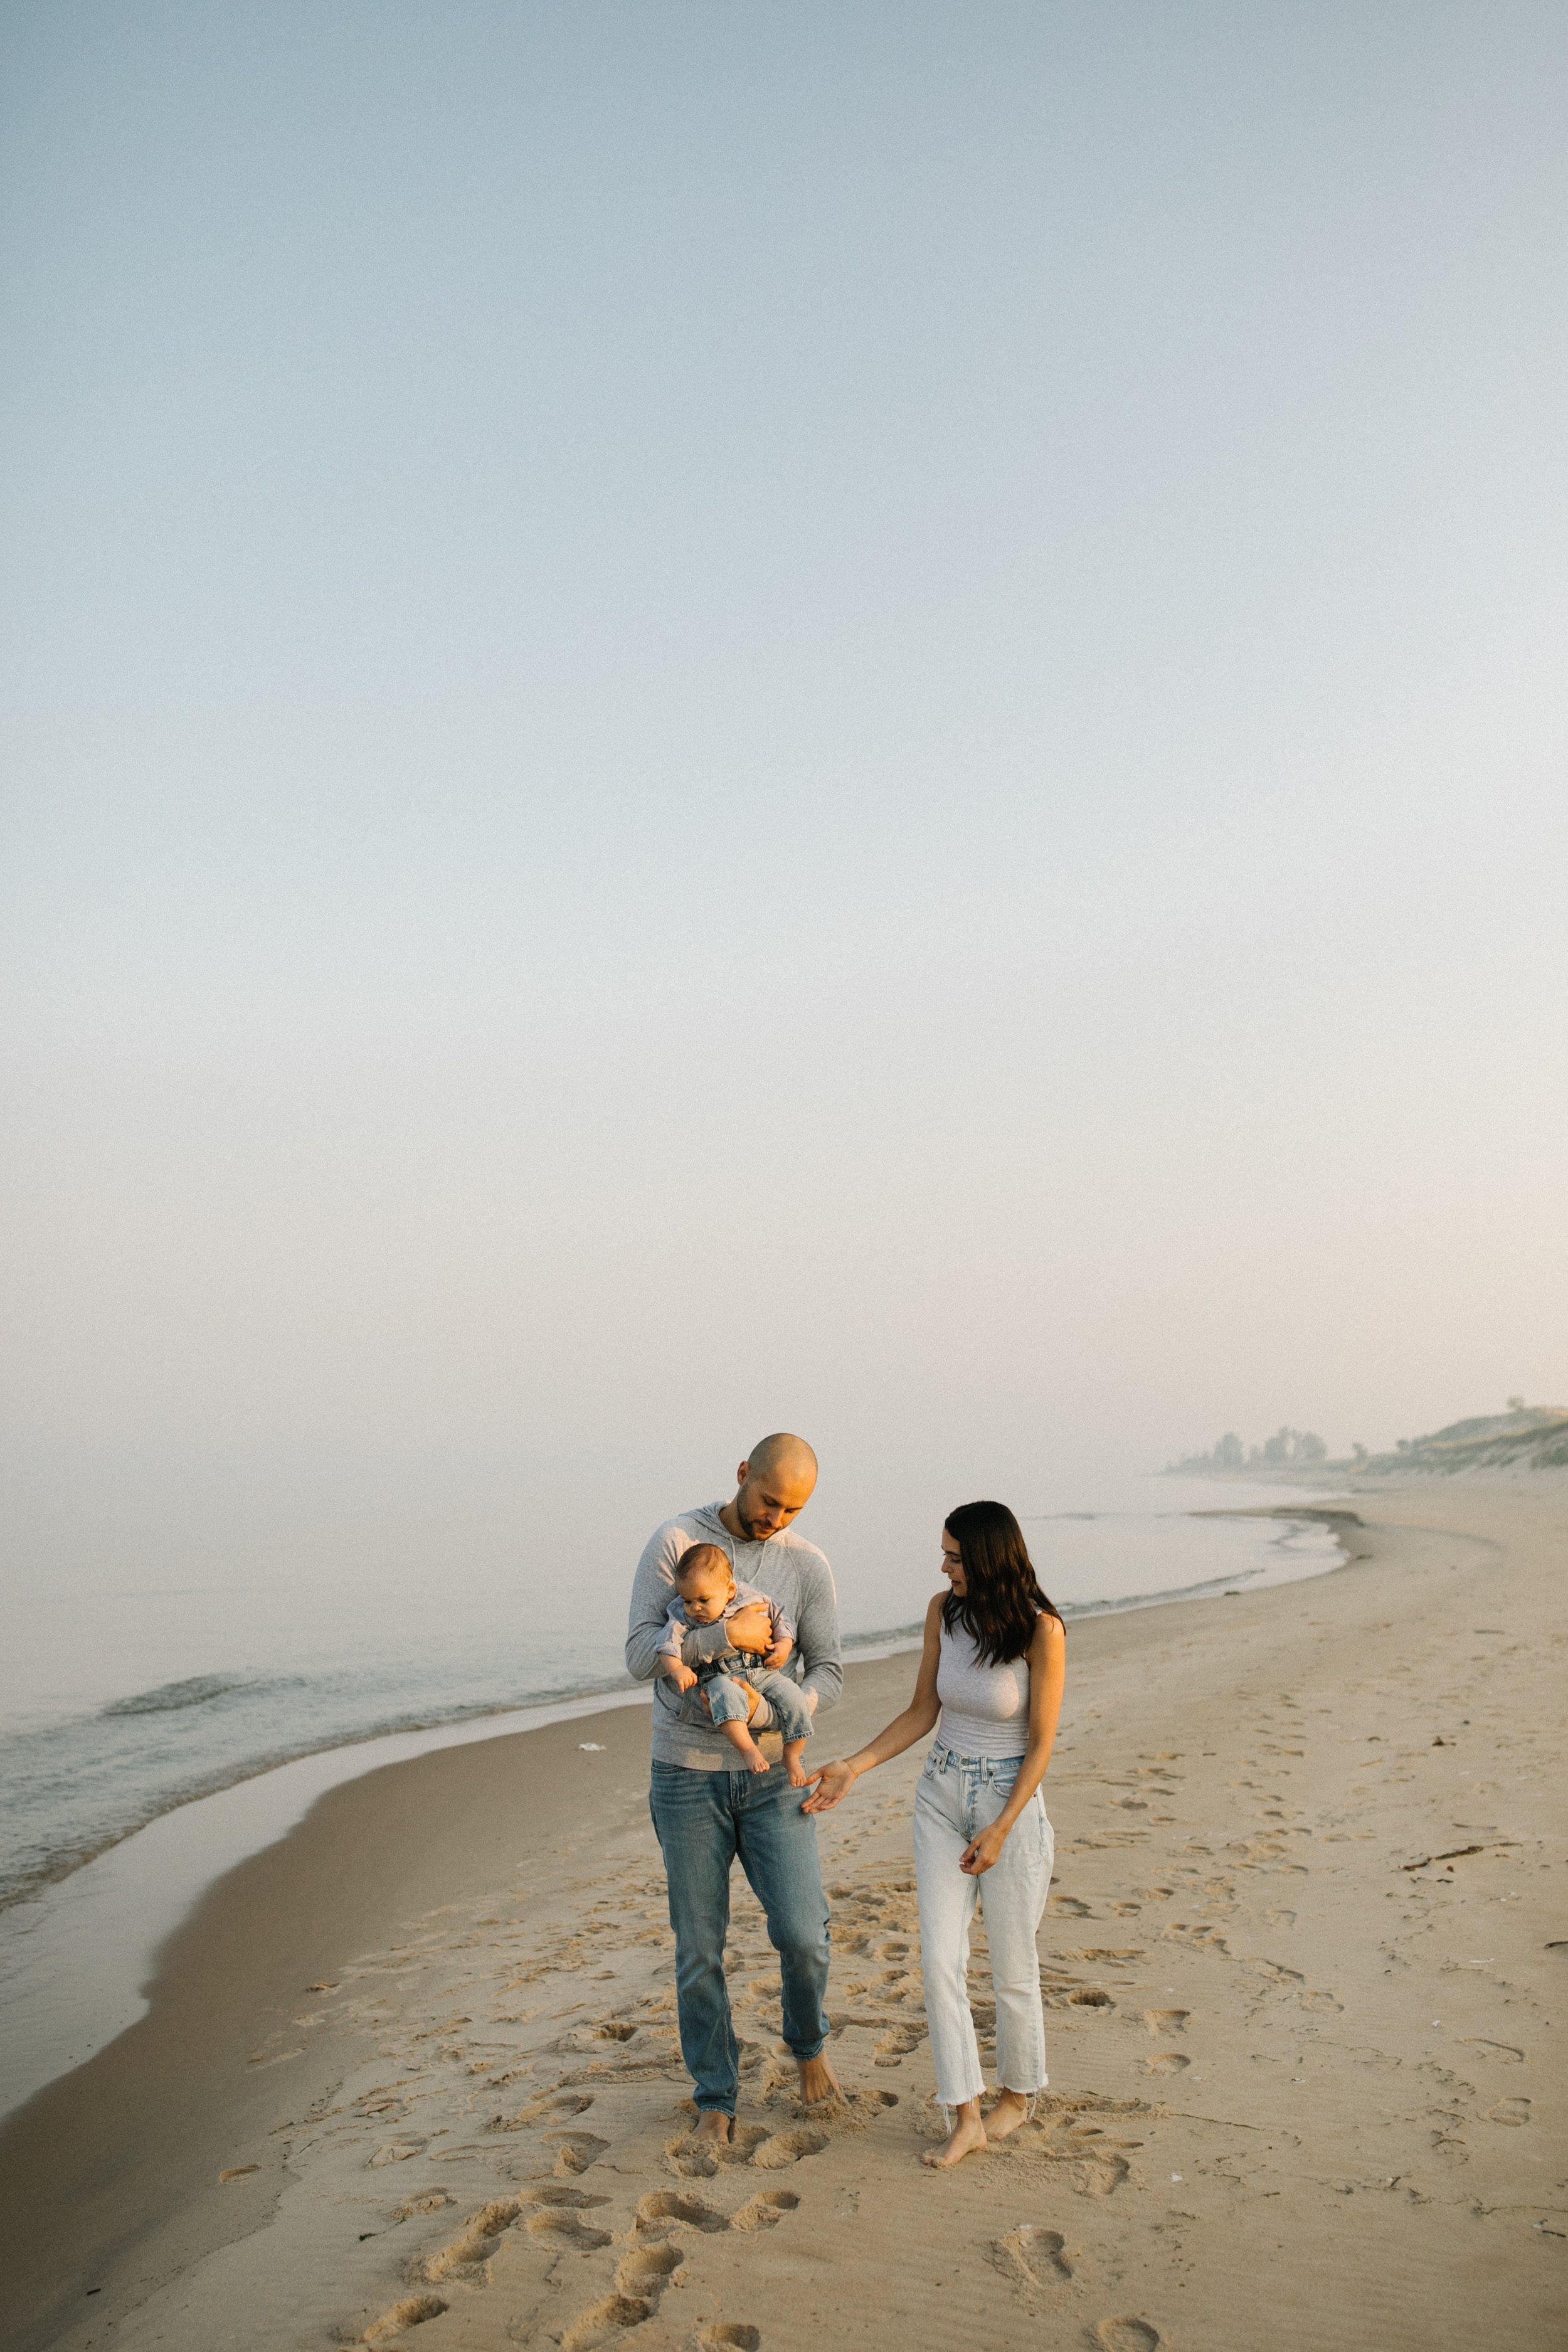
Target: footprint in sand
{"x": 1167, "y": 2062}
{"x": 766, "y": 2210}
{"x": 557, "y": 2105}
{"x": 1032, "y": 2255}
{"x": 594, "y": 2037}
{"x": 652, "y": 2263}
{"x": 577, "y": 2152}
{"x": 1509, "y": 2111}
{"x": 1127, "y": 2335}
{"x": 605, "y": 2320}
{"x": 647, "y": 2271}
{"x": 565, "y": 2229}
{"x": 475, "y": 2242}
{"x": 1166, "y": 2021}
{"x": 1092, "y": 2175}
{"x": 404, "y": 2315}
{"x": 662, "y": 2209}
{"x": 698, "y": 2160}
{"x": 788, "y": 2147}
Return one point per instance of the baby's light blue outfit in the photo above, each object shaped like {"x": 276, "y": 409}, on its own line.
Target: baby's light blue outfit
{"x": 720, "y": 1678}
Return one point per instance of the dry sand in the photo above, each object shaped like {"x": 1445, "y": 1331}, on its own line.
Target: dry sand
{"x": 414, "y": 2068}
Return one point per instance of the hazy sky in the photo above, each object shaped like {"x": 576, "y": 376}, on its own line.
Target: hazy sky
{"x": 718, "y": 716}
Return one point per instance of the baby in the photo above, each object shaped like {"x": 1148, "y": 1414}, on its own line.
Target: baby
{"x": 706, "y": 1591}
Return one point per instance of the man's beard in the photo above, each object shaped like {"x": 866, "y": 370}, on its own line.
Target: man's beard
{"x": 747, "y": 1524}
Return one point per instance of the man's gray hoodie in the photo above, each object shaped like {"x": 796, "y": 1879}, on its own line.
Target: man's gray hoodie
{"x": 787, "y": 1569}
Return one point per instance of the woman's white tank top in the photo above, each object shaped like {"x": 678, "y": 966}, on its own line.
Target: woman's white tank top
{"x": 985, "y": 1709}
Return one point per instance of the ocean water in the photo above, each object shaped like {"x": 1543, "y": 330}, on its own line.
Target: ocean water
{"x": 118, "y": 1705}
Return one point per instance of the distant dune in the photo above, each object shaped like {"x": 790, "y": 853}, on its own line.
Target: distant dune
{"x": 1532, "y": 1437}
{"x": 1528, "y": 1437}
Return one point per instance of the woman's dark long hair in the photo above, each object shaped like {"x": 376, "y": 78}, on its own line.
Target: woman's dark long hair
{"x": 1004, "y": 1600}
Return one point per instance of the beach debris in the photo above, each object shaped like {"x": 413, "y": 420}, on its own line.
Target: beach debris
{"x": 1457, "y": 1853}
{"x": 592, "y": 1746}
{"x": 238, "y": 2171}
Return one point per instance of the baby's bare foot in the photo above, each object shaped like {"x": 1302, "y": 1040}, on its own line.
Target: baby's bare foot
{"x": 1012, "y": 2108}
{"x": 966, "y": 2139}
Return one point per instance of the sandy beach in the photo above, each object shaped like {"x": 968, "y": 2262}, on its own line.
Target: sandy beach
{"x": 413, "y": 2072}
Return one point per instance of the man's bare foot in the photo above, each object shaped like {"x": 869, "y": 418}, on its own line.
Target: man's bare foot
{"x": 1012, "y": 2108}
{"x": 818, "y": 2082}
{"x": 713, "y": 2125}
{"x": 966, "y": 2139}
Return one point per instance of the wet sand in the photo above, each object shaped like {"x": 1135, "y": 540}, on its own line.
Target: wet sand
{"x": 1306, "y": 1980}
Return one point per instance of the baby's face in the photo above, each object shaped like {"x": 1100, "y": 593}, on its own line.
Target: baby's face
{"x": 706, "y": 1593}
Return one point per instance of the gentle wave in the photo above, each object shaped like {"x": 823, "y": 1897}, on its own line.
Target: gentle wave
{"x": 196, "y": 1690}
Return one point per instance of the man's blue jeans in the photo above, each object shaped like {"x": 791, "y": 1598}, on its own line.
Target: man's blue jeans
{"x": 705, "y": 1820}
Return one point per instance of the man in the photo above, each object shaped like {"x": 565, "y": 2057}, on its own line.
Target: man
{"x": 706, "y": 1812}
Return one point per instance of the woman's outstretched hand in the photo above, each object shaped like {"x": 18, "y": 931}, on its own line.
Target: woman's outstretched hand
{"x": 981, "y": 1853}
{"x": 830, "y": 1787}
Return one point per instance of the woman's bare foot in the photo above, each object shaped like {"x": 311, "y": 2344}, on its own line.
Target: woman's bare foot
{"x": 966, "y": 2139}
{"x": 714, "y": 2125}
{"x": 1012, "y": 2108}
{"x": 818, "y": 2082}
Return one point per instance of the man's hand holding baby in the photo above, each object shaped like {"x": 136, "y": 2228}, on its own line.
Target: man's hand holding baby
{"x": 750, "y": 1628}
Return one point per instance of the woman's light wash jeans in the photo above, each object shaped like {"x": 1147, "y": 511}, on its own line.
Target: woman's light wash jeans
{"x": 957, "y": 1797}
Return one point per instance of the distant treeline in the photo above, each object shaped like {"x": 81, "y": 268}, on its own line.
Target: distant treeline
{"x": 1286, "y": 1448}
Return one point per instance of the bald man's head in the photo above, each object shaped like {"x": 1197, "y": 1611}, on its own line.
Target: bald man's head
{"x": 783, "y": 1456}
{"x": 776, "y": 1482}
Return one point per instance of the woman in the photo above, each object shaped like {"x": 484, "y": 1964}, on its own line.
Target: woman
{"x": 993, "y": 1668}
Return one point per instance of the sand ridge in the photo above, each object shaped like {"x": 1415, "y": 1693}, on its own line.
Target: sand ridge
{"x": 1301, "y": 2016}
